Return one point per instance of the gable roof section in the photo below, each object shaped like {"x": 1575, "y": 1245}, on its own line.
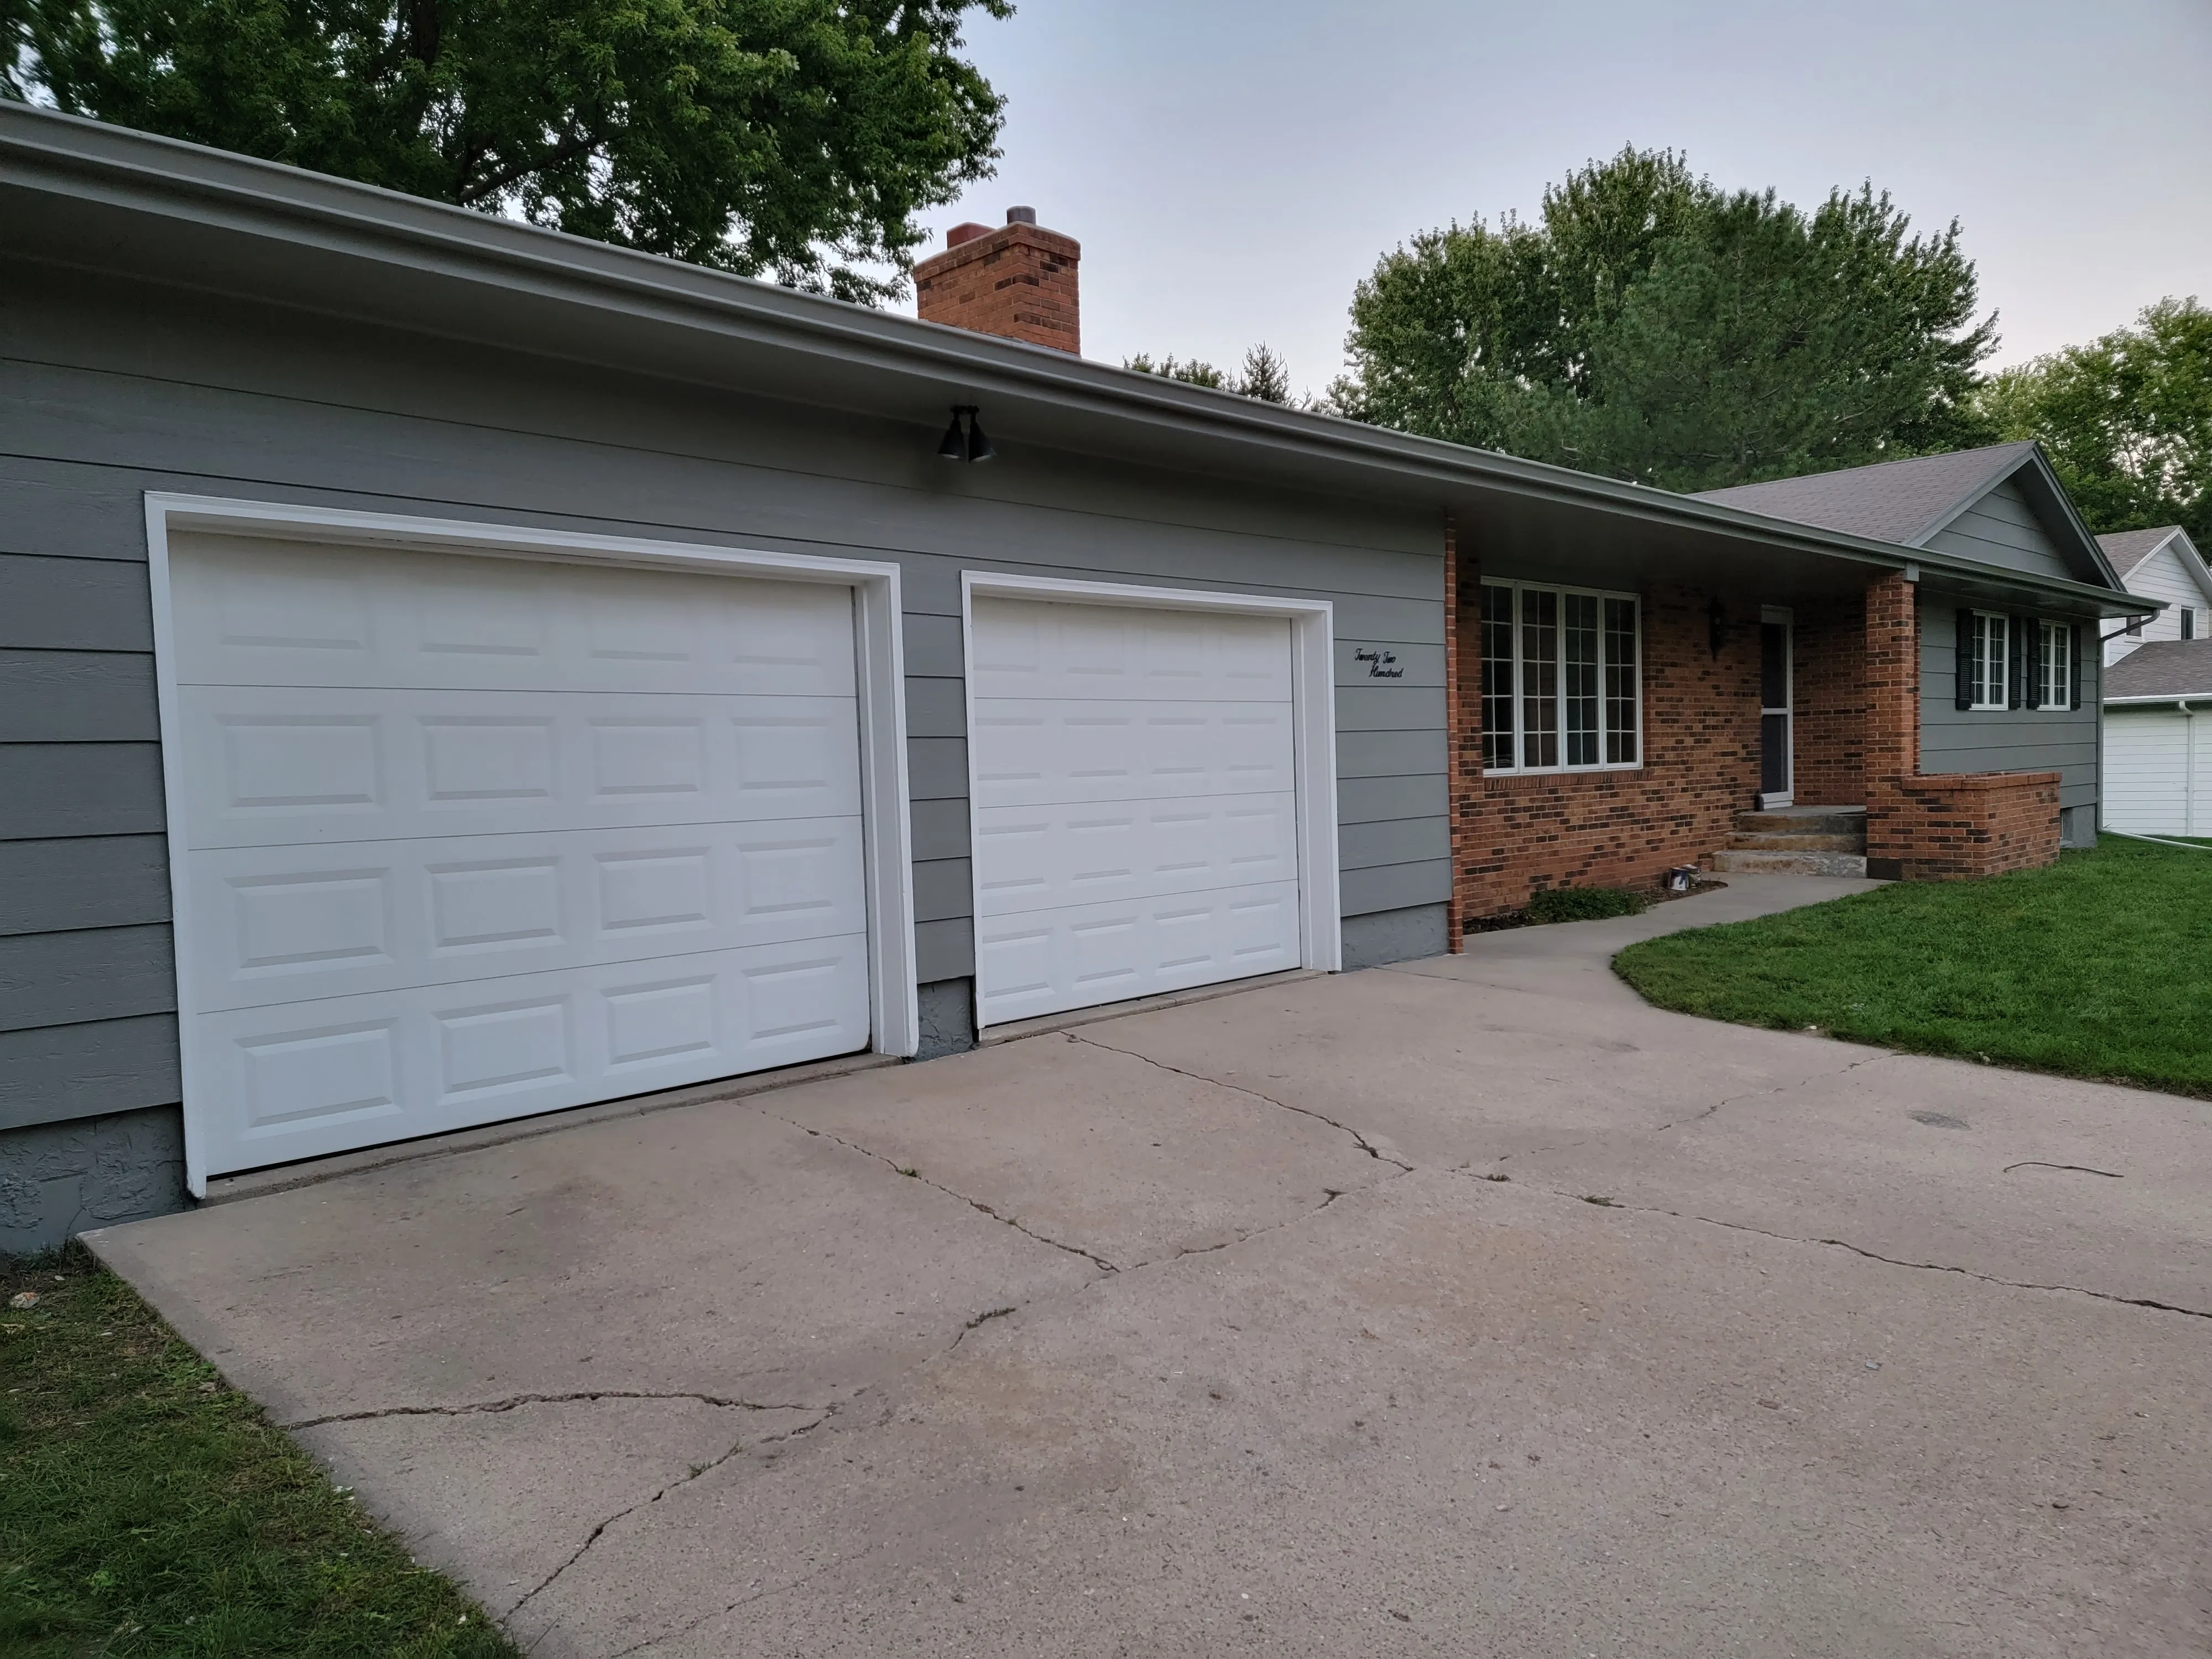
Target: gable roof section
{"x": 2161, "y": 670}
{"x": 2127, "y": 549}
{"x": 1911, "y": 502}
{"x": 1902, "y": 501}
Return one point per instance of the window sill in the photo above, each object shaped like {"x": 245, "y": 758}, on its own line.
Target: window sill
{"x": 1610, "y": 769}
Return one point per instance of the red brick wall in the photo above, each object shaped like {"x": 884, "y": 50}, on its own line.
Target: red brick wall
{"x": 1959, "y": 824}
{"x": 1019, "y": 281}
{"x": 1828, "y": 696}
{"x": 1513, "y": 835}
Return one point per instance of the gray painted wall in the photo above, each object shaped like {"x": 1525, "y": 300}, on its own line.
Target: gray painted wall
{"x": 2002, "y": 529}
{"x": 1953, "y": 739}
{"x": 113, "y": 390}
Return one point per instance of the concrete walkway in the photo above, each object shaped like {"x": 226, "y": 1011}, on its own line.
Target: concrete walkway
{"x": 1469, "y": 1308}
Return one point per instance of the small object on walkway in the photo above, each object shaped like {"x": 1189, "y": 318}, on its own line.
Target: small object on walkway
{"x": 1874, "y": 1364}
{"x": 23, "y": 1300}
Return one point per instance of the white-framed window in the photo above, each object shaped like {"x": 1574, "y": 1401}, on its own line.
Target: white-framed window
{"x": 1987, "y": 687}
{"x": 1562, "y": 680}
{"x": 2054, "y": 665}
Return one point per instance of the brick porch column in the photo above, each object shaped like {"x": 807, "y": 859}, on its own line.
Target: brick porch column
{"x": 1893, "y": 712}
{"x": 1463, "y": 730}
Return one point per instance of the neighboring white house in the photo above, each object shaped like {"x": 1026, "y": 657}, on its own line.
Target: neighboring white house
{"x": 2161, "y": 564}
{"x": 2158, "y": 740}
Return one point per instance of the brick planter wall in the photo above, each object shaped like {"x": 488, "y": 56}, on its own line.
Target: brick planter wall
{"x": 1952, "y": 826}
{"x": 1514, "y": 836}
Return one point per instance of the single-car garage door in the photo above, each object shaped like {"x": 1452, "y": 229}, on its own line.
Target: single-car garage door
{"x": 464, "y": 838}
{"x": 1135, "y": 815}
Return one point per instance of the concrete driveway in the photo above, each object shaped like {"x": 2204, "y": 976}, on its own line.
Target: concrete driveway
{"x": 1466, "y": 1307}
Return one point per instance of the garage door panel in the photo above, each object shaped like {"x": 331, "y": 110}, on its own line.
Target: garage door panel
{"x": 2146, "y": 772}
{"x": 304, "y": 1079}
{"x": 276, "y": 924}
{"x": 270, "y": 766}
{"x": 1045, "y": 961}
{"x": 1044, "y": 857}
{"x": 268, "y": 612}
{"x": 1029, "y": 650}
{"x": 1032, "y": 754}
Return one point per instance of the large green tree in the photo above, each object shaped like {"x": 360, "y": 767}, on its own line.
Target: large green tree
{"x": 2127, "y": 419}
{"x": 795, "y": 139}
{"x": 1652, "y": 326}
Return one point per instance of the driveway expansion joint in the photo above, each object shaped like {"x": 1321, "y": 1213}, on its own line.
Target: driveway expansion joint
{"x": 1359, "y": 1139}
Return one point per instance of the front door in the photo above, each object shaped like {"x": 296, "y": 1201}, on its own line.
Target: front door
{"x": 1775, "y": 768}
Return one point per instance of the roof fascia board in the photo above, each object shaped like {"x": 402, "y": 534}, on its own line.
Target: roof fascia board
{"x": 43, "y": 150}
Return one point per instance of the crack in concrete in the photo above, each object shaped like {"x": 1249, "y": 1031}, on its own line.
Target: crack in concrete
{"x": 2077, "y": 1168}
{"x": 694, "y": 1473}
{"x": 914, "y": 1174}
{"x": 742, "y": 1602}
{"x": 510, "y": 1403}
{"x": 1844, "y": 1244}
{"x": 1361, "y": 1140}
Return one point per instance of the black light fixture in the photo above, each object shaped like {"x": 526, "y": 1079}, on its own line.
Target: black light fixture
{"x": 1716, "y": 625}
{"x": 969, "y": 444}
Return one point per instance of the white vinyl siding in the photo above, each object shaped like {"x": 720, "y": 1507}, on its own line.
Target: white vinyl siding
{"x": 1561, "y": 680}
{"x": 2158, "y": 771}
{"x": 2167, "y": 576}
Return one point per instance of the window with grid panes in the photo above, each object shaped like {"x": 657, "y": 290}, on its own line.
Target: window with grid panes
{"x": 1561, "y": 681}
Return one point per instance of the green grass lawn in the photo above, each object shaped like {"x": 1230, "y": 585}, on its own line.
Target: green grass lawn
{"x": 2099, "y": 967}
{"x": 147, "y": 1508}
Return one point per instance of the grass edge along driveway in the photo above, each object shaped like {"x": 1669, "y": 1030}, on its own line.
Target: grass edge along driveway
{"x": 146, "y": 1507}
{"x": 2097, "y": 967}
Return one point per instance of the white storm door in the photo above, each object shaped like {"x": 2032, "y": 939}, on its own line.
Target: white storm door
{"x": 1134, "y": 802}
{"x": 466, "y": 838}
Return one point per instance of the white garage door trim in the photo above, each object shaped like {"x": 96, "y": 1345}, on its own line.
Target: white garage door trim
{"x": 1313, "y": 702}
{"x": 887, "y": 861}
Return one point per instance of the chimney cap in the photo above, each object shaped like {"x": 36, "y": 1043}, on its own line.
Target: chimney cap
{"x": 1021, "y": 215}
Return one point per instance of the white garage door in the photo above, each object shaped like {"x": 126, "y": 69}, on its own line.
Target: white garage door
{"x": 2147, "y": 759}
{"x": 467, "y": 838}
{"x": 1135, "y": 821}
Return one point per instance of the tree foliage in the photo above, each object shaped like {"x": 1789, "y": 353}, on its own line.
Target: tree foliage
{"x": 790, "y": 138}
{"x": 2126, "y": 419}
{"x": 1265, "y": 376}
{"x": 1652, "y": 326}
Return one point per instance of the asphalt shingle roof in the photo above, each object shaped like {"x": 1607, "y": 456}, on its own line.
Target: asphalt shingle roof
{"x": 2127, "y": 549}
{"x": 2163, "y": 668}
{"x": 1899, "y": 502}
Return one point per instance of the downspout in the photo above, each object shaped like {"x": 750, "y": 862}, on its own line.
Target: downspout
{"x": 2188, "y": 767}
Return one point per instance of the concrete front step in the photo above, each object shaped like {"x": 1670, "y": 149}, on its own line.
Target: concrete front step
{"x": 1804, "y": 821}
{"x": 1797, "y": 844}
{"x": 1747, "y": 863}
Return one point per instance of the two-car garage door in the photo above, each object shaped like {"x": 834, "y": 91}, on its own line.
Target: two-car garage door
{"x": 463, "y": 838}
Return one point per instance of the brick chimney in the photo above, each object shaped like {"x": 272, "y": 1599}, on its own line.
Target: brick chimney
{"x": 1017, "y": 281}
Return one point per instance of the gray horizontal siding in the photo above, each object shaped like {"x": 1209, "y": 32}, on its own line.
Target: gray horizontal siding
{"x": 1393, "y": 840}
{"x": 77, "y": 697}
{"x": 72, "y": 605}
{"x": 1955, "y": 740}
{"x": 104, "y": 881}
{"x": 100, "y": 973}
{"x": 1394, "y": 886}
{"x": 49, "y": 789}
{"x": 2002, "y": 529}
{"x": 115, "y": 393}
{"x": 58, "y": 1072}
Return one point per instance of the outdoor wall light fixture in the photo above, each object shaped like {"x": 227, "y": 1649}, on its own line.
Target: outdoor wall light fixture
{"x": 1716, "y": 625}
{"x": 969, "y": 444}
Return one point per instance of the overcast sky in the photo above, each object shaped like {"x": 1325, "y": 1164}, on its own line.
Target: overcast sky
{"x": 1232, "y": 167}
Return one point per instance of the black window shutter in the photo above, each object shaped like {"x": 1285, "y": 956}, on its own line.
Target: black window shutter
{"x": 2016, "y": 650}
{"x": 2074, "y": 657}
{"x": 1965, "y": 660}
